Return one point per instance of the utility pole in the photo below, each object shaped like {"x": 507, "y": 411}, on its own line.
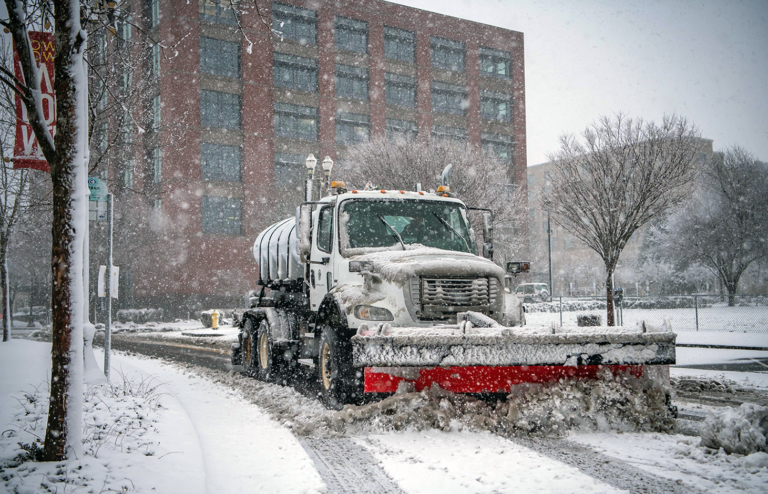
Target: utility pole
{"x": 108, "y": 289}
{"x": 549, "y": 251}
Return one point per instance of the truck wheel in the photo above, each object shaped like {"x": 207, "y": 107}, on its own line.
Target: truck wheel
{"x": 269, "y": 361}
{"x": 246, "y": 347}
{"x": 339, "y": 382}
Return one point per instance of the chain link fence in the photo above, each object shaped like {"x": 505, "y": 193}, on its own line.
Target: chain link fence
{"x": 749, "y": 314}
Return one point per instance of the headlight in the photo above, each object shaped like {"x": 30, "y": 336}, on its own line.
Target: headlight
{"x": 370, "y": 313}
{"x": 360, "y": 266}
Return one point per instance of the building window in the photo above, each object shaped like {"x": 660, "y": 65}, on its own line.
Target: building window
{"x": 295, "y": 23}
{"x": 220, "y": 162}
{"x": 154, "y": 13}
{"x": 219, "y": 57}
{"x": 449, "y": 98}
{"x": 124, "y": 30}
{"x": 399, "y": 44}
{"x": 401, "y": 128}
{"x": 219, "y": 109}
{"x": 154, "y": 68}
{"x": 127, "y": 79}
{"x": 157, "y": 165}
{"x": 351, "y": 34}
{"x": 351, "y": 82}
{"x": 290, "y": 170}
{"x": 495, "y": 63}
{"x": 455, "y": 133}
{"x": 496, "y": 106}
{"x": 295, "y": 122}
{"x": 400, "y": 90}
{"x": 352, "y": 128}
{"x": 156, "y": 112}
{"x": 221, "y": 215}
{"x": 447, "y": 54}
{"x": 126, "y": 130}
{"x": 219, "y": 11}
{"x": 500, "y": 146}
{"x": 294, "y": 72}
{"x": 128, "y": 174}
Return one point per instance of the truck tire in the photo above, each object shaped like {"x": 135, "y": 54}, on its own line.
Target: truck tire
{"x": 269, "y": 363}
{"x": 339, "y": 382}
{"x": 246, "y": 347}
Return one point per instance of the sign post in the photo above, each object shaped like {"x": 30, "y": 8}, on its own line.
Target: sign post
{"x": 100, "y": 209}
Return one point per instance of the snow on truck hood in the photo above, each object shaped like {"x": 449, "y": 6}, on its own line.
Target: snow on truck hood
{"x": 398, "y": 266}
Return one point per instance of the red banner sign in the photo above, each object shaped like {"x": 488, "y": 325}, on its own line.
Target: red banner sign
{"x": 26, "y": 149}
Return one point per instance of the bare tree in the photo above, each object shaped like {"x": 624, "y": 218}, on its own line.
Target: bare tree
{"x": 625, "y": 173}
{"x": 478, "y": 178}
{"x": 723, "y": 227}
{"x": 67, "y": 155}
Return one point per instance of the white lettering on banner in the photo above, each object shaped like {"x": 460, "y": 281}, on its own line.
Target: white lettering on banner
{"x": 29, "y": 139}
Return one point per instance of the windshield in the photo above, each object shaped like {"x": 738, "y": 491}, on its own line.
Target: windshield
{"x": 394, "y": 224}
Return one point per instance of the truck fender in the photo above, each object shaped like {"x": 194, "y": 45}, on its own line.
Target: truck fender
{"x": 283, "y": 326}
{"x": 335, "y": 312}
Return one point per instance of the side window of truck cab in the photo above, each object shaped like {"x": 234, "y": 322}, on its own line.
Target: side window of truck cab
{"x": 325, "y": 229}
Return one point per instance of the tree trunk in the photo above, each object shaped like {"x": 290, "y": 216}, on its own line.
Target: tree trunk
{"x": 609, "y": 299}
{"x": 6, "y": 305}
{"x": 69, "y": 177}
{"x": 731, "y": 293}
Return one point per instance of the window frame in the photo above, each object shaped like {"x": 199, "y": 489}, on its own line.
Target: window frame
{"x": 326, "y": 212}
{"x": 297, "y": 113}
{"x": 297, "y": 66}
{"x": 353, "y": 122}
{"x": 218, "y": 60}
{"x": 446, "y": 132}
{"x": 346, "y": 76}
{"x": 205, "y": 206}
{"x": 217, "y": 11}
{"x": 495, "y": 98}
{"x": 347, "y": 27}
{"x": 491, "y": 57}
{"x": 399, "y": 84}
{"x": 395, "y": 128}
{"x": 219, "y": 153}
{"x": 400, "y": 39}
{"x": 294, "y": 16}
{"x": 444, "y": 94}
{"x": 440, "y": 51}
{"x": 222, "y": 108}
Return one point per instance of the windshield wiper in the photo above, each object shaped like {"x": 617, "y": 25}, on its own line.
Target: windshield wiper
{"x": 397, "y": 235}
{"x": 448, "y": 225}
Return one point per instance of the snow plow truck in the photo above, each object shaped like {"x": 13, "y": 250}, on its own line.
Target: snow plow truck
{"x": 376, "y": 290}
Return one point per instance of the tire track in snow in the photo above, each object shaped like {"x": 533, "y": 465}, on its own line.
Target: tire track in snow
{"x": 601, "y": 467}
{"x": 348, "y": 468}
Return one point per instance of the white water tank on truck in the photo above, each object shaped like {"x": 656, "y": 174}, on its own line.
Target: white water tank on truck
{"x": 276, "y": 250}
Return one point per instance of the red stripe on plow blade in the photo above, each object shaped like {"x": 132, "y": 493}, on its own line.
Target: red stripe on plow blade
{"x": 481, "y": 379}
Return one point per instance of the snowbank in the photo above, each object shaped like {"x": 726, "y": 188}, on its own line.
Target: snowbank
{"x": 740, "y": 430}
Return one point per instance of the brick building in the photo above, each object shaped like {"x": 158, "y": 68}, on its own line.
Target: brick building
{"x": 235, "y": 111}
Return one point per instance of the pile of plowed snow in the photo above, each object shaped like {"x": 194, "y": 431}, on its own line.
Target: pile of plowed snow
{"x": 740, "y": 430}
{"x": 612, "y": 402}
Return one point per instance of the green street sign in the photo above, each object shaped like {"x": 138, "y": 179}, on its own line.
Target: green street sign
{"x": 98, "y": 189}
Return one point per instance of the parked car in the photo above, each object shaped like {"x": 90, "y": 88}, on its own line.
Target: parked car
{"x": 533, "y": 292}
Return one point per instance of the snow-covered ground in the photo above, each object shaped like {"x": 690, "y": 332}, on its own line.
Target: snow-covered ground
{"x": 722, "y": 318}
{"x": 175, "y": 431}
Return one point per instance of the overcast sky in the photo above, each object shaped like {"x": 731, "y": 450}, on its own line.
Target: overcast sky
{"x": 706, "y": 60}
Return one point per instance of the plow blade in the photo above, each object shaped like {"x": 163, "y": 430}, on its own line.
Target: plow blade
{"x": 498, "y": 348}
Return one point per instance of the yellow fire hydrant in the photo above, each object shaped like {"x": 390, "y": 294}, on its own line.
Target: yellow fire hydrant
{"x": 215, "y": 319}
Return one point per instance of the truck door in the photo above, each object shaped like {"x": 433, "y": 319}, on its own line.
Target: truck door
{"x": 320, "y": 264}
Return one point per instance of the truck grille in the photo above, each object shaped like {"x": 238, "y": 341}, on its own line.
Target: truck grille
{"x": 441, "y": 299}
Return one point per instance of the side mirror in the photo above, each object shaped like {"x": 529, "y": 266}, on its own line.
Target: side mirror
{"x": 488, "y": 235}
{"x": 487, "y": 227}
{"x": 488, "y": 251}
{"x": 517, "y": 267}
{"x": 305, "y": 231}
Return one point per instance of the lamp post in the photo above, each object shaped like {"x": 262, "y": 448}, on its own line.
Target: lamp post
{"x": 327, "y": 166}
{"x": 310, "y": 163}
{"x": 549, "y": 251}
